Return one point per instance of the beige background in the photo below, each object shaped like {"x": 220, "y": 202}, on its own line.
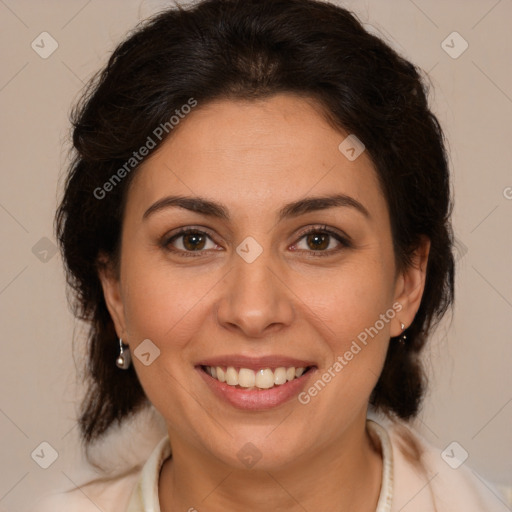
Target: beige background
{"x": 470, "y": 398}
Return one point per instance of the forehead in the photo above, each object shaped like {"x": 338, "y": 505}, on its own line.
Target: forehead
{"x": 255, "y": 155}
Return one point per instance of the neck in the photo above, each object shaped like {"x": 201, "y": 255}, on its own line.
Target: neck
{"x": 344, "y": 475}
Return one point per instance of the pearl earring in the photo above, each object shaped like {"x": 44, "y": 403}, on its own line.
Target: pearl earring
{"x": 124, "y": 359}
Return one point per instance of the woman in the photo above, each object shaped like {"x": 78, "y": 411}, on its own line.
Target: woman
{"x": 257, "y": 227}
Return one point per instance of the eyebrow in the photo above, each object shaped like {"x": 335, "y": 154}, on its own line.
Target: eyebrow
{"x": 294, "y": 209}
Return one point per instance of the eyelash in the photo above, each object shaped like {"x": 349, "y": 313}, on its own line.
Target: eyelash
{"x": 316, "y": 229}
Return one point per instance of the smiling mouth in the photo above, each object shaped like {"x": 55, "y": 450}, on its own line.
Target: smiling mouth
{"x": 248, "y": 379}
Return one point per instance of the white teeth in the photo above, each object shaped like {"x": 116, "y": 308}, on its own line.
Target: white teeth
{"x": 279, "y": 376}
{"x": 246, "y": 378}
{"x": 264, "y": 378}
{"x": 231, "y": 376}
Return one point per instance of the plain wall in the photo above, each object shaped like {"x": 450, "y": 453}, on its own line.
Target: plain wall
{"x": 469, "y": 359}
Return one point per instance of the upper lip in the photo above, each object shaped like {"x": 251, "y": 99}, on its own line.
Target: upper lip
{"x": 256, "y": 363}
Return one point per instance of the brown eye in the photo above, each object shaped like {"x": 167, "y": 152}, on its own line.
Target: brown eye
{"x": 189, "y": 240}
{"x": 322, "y": 241}
{"x": 194, "y": 241}
{"x": 318, "y": 241}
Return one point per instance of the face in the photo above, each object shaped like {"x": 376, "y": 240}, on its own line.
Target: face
{"x": 267, "y": 279}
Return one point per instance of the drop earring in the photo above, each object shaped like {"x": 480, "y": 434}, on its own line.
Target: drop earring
{"x": 403, "y": 337}
{"x": 124, "y": 358}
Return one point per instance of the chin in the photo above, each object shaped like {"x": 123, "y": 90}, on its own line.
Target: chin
{"x": 258, "y": 451}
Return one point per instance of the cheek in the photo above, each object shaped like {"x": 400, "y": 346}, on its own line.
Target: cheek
{"x": 164, "y": 306}
{"x": 351, "y": 299}
{"x": 161, "y": 300}
{"x": 356, "y": 314}
{"x": 347, "y": 314}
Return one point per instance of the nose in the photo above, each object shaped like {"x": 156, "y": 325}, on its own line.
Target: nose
{"x": 255, "y": 300}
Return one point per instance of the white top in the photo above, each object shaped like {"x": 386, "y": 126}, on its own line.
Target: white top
{"x": 440, "y": 483}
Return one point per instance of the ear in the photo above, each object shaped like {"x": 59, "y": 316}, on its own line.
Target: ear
{"x": 112, "y": 292}
{"x": 410, "y": 285}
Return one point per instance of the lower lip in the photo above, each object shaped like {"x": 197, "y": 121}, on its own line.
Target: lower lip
{"x": 256, "y": 399}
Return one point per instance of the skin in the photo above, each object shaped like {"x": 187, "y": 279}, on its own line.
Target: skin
{"x": 254, "y": 157}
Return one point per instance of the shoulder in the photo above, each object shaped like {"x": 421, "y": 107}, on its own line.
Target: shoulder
{"x": 107, "y": 495}
{"x": 428, "y": 479}
{"x": 115, "y": 470}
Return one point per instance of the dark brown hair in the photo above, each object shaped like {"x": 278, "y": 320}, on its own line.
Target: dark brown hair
{"x": 253, "y": 49}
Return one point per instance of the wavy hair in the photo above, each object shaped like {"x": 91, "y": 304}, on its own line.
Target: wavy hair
{"x": 254, "y": 49}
